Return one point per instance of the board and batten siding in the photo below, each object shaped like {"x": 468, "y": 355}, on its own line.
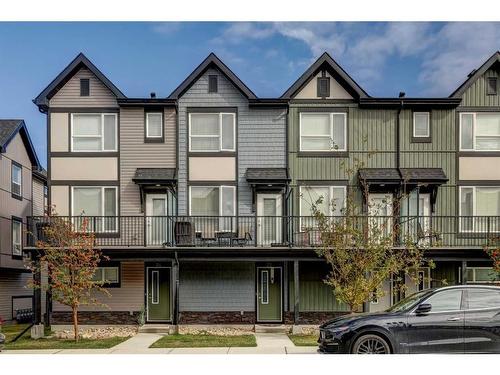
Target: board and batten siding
{"x": 476, "y": 96}
{"x": 128, "y": 297}
{"x": 69, "y": 94}
{"x": 216, "y": 286}
{"x": 135, "y": 153}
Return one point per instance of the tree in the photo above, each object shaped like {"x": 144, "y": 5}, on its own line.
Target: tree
{"x": 360, "y": 251}
{"x": 493, "y": 251}
{"x": 68, "y": 255}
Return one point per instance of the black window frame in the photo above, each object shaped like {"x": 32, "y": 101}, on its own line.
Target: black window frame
{"x": 421, "y": 139}
{"x": 320, "y": 93}
{"x": 213, "y": 83}
{"x": 491, "y": 89}
{"x": 149, "y": 139}
{"x": 112, "y": 264}
{"x": 14, "y": 195}
{"x": 18, "y": 220}
{"x": 84, "y": 87}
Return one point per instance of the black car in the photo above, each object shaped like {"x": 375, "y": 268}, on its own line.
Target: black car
{"x": 455, "y": 319}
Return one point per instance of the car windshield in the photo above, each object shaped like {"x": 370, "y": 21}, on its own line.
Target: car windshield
{"x": 407, "y": 302}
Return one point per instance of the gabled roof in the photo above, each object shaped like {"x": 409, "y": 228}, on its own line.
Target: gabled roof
{"x": 9, "y": 129}
{"x": 475, "y": 74}
{"x": 325, "y": 61}
{"x": 42, "y": 100}
{"x": 211, "y": 61}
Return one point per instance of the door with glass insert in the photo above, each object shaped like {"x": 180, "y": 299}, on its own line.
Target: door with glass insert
{"x": 156, "y": 219}
{"x": 269, "y": 221}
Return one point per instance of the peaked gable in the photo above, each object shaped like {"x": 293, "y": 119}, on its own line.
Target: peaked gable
{"x": 75, "y": 66}
{"x": 8, "y": 131}
{"x": 212, "y": 61}
{"x": 325, "y": 63}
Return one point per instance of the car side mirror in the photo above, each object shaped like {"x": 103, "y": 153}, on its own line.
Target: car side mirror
{"x": 424, "y": 308}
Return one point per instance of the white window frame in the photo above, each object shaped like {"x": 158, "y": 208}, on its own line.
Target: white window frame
{"x": 330, "y": 192}
{"x": 321, "y": 135}
{"x": 474, "y": 275}
{"x": 93, "y": 136}
{"x": 103, "y": 273}
{"x": 17, "y": 225}
{"x": 474, "y": 208}
{"x": 20, "y": 184}
{"x": 221, "y": 149}
{"x": 147, "y": 125}
{"x": 266, "y": 301}
{"x": 473, "y": 133}
{"x": 428, "y": 115}
{"x": 220, "y": 187}
{"x": 101, "y": 230}
{"x": 426, "y": 279}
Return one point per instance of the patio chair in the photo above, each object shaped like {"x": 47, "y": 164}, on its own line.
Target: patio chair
{"x": 242, "y": 241}
{"x": 184, "y": 233}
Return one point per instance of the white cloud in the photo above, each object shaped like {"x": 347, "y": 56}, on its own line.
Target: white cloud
{"x": 167, "y": 28}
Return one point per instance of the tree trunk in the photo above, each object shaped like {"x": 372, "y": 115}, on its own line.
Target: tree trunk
{"x": 75, "y": 322}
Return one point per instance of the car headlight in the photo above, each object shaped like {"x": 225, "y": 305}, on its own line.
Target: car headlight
{"x": 338, "y": 329}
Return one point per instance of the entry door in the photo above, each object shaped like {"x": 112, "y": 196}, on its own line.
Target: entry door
{"x": 156, "y": 221}
{"x": 158, "y": 294}
{"x": 269, "y": 221}
{"x": 269, "y": 294}
{"x": 380, "y": 210}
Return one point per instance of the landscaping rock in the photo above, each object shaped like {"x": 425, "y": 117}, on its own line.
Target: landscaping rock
{"x": 214, "y": 330}
{"x": 98, "y": 333}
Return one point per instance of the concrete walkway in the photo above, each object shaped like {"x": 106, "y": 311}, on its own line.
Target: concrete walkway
{"x": 267, "y": 343}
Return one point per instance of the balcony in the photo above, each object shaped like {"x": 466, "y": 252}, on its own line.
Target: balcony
{"x": 268, "y": 231}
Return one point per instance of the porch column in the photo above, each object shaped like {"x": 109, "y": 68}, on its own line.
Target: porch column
{"x": 464, "y": 272}
{"x": 37, "y": 296}
{"x": 296, "y": 291}
{"x": 175, "y": 291}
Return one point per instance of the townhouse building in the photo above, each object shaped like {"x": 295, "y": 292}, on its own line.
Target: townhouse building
{"x": 22, "y": 195}
{"x": 202, "y": 200}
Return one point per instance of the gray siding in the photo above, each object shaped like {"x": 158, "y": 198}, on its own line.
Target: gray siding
{"x": 217, "y": 287}
{"x": 134, "y": 153}
{"x": 261, "y": 134}
{"x": 13, "y": 283}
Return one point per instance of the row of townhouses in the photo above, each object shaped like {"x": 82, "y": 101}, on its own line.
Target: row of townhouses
{"x": 202, "y": 200}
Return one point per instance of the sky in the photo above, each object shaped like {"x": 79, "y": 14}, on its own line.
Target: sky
{"x": 419, "y": 58}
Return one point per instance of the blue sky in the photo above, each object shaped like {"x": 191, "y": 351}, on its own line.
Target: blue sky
{"x": 422, "y": 59}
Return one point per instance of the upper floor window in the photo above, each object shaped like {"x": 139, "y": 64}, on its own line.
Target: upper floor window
{"x": 212, "y": 200}
{"x": 17, "y": 229}
{"x": 480, "y": 131}
{"x": 421, "y": 125}
{"x": 212, "y": 132}
{"x": 16, "y": 180}
{"x": 154, "y": 125}
{"x": 329, "y": 200}
{"x": 212, "y": 83}
{"x": 84, "y": 87}
{"x": 99, "y": 202}
{"x": 321, "y": 131}
{"x": 492, "y": 86}
{"x": 323, "y": 84}
{"x": 479, "y": 208}
{"x": 93, "y": 132}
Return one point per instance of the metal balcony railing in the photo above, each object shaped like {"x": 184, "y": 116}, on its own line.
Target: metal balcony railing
{"x": 268, "y": 231}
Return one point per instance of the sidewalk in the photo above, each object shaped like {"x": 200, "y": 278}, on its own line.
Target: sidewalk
{"x": 267, "y": 343}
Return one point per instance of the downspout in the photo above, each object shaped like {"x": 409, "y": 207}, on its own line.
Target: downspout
{"x": 398, "y": 164}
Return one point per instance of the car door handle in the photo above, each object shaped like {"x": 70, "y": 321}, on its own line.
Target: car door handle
{"x": 454, "y": 319}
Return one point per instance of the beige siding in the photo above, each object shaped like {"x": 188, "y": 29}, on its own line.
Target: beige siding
{"x": 69, "y": 94}
{"x": 129, "y": 297}
{"x": 60, "y": 199}
{"x": 479, "y": 168}
{"x": 38, "y": 198}
{"x": 310, "y": 90}
{"x": 59, "y": 132}
{"x": 13, "y": 284}
{"x": 134, "y": 153}
{"x": 212, "y": 169}
{"x": 84, "y": 168}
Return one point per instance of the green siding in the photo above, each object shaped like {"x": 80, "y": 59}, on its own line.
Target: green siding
{"x": 475, "y": 95}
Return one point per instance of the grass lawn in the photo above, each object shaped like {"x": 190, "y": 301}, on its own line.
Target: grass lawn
{"x": 25, "y": 342}
{"x": 204, "y": 341}
{"x": 304, "y": 340}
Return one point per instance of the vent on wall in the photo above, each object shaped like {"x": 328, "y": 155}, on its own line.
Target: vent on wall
{"x": 323, "y": 87}
{"x": 212, "y": 83}
{"x": 84, "y": 87}
{"x": 492, "y": 86}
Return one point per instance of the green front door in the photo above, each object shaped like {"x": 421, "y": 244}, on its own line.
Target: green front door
{"x": 269, "y": 294}
{"x": 158, "y": 294}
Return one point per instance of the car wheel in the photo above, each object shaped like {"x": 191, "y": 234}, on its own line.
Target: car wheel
{"x": 371, "y": 344}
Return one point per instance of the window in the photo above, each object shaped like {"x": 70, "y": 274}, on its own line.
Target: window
{"x": 98, "y": 202}
{"x": 107, "y": 275}
{"x": 17, "y": 230}
{"x": 332, "y": 200}
{"x": 323, "y": 87}
{"x": 16, "y": 180}
{"x": 421, "y": 125}
{"x": 479, "y": 208}
{"x": 482, "y": 275}
{"x": 84, "y": 87}
{"x": 323, "y": 131}
{"x": 154, "y": 125}
{"x": 424, "y": 279}
{"x": 212, "y": 83}
{"x": 491, "y": 86}
{"x": 447, "y": 300}
{"x": 483, "y": 299}
{"x": 480, "y": 131}
{"x": 212, "y": 200}
{"x": 264, "y": 292}
{"x": 93, "y": 132}
{"x": 212, "y": 132}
